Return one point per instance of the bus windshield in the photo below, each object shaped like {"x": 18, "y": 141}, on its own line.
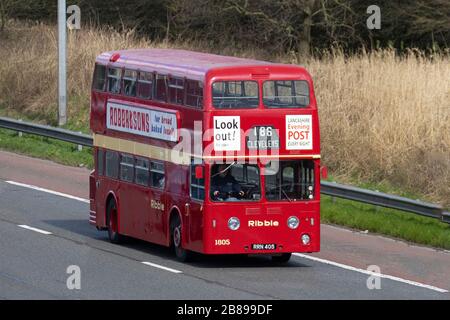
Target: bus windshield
{"x": 235, "y": 94}
{"x": 293, "y": 180}
{"x": 235, "y": 182}
{"x": 286, "y": 94}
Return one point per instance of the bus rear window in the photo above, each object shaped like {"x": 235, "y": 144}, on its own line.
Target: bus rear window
{"x": 286, "y": 94}
{"x": 99, "y": 80}
{"x": 235, "y": 94}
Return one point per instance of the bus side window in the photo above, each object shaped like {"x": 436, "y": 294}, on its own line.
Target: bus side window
{"x": 99, "y": 81}
{"x": 157, "y": 176}
{"x": 197, "y": 185}
{"x": 112, "y": 164}
{"x": 142, "y": 174}
{"x": 100, "y": 161}
{"x": 161, "y": 87}
{"x": 145, "y": 85}
{"x": 129, "y": 83}
{"x": 127, "y": 168}
{"x": 176, "y": 90}
{"x": 114, "y": 75}
{"x": 194, "y": 93}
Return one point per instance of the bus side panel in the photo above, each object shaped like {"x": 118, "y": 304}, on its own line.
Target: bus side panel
{"x": 196, "y": 226}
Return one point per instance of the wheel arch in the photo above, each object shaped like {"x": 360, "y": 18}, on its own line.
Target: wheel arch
{"x": 112, "y": 197}
{"x": 173, "y": 212}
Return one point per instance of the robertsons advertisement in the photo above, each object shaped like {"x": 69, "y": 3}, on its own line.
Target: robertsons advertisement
{"x": 145, "y": 122}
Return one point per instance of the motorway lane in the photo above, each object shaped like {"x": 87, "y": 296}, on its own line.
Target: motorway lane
{"x": 33, "y": 265}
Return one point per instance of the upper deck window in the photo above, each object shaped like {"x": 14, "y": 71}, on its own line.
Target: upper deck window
{"x": 129, "y": 83}
{"x": 145, "y": 85}
{"x": 161, "y": 87}
{"x": 286, "y": 94}
{"x": 99, "y": 80}
{"x": 194, "y": 93}
{"x": 176, "y": 90}
{"x": 114, "y": 75}
{"x": 235, "y": 94}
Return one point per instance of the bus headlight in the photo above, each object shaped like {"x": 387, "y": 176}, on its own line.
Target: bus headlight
{"x": 306, "y": 239}
{"x": 293, "y": 222}
{"x": 234, "y": 223}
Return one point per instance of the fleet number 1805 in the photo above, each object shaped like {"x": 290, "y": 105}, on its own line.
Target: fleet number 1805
{"x": 222, "y": 242}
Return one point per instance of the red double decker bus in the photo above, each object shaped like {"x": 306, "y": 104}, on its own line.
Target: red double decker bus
{"x": 205, "y": 153}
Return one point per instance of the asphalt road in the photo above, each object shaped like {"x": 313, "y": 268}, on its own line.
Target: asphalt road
{"x": 33, "y": 265}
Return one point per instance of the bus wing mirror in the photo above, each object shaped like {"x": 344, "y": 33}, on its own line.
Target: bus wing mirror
{"x": 198, "y": 172}
{"x": 324, "y": 172}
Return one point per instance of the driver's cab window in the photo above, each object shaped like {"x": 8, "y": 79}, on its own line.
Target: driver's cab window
{"x": 235, "y": 182}
{"x": 288, "y": 176}
{"x": 197, "y": 184}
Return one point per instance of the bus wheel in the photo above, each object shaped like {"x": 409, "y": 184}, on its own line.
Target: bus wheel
{"x": 111, "y": 220}
{"x": 283, "y": 258}
{"x": 182, "y": 255}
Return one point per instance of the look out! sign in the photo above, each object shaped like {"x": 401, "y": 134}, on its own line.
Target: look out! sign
{"x": 227, "y": 133}
{"x": 299, "y": 132}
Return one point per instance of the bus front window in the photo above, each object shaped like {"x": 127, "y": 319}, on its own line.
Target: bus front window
{"x": 286, "y": 94}
{"x": 294, "y": 180}
{"x": 235, "y": 94}
{"x": 235, "y": 182}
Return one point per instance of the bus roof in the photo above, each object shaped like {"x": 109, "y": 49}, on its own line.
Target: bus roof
{"x": 175, "y": 62}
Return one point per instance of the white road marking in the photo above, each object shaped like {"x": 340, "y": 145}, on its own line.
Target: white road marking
{"x": 161, "y": 267}
{"x": 56, "y": 193}
{"x": 386, "y": 276}
{"x": 34, "y": 229}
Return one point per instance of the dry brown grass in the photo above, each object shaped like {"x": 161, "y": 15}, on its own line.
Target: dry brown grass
{"x": 386, "y": 119}
{"x": 383, "y": 118}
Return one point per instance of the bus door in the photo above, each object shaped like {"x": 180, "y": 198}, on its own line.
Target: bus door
{"x": 128, "y": 207}
{"x": 157, "y": 201}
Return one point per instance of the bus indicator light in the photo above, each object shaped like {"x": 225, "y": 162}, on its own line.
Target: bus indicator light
{"x": 114, "y": 57}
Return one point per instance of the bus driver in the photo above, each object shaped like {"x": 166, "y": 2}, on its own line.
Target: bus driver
{"x": 224, "y": 185}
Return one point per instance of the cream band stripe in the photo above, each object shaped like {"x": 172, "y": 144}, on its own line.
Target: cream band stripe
{"x": 170, "y": 155}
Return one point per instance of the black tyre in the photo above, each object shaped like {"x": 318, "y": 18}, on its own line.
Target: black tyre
{"x": 283, "y": 258}
{"x": 176, "y": 232}
{"x": 111, "y": 220}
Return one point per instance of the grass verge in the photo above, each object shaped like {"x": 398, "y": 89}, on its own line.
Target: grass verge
{"x": 394, "y": 223}
{"x": 46, "y": 148}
